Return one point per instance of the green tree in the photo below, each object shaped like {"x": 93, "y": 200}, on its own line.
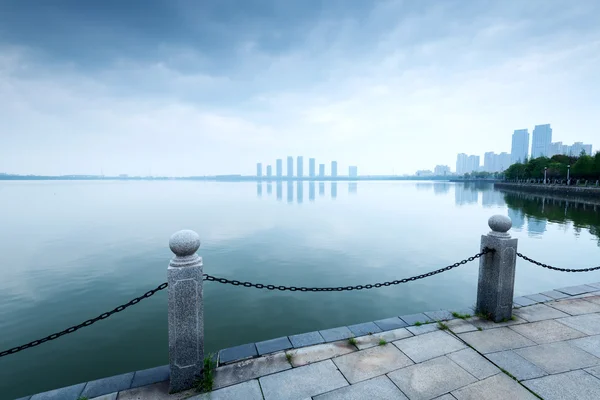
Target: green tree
{"x": 584, "y": 167}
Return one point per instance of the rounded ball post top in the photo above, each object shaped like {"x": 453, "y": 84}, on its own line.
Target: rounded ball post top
{"x": 184, "y": 243}
{"x": 500, "y": 225}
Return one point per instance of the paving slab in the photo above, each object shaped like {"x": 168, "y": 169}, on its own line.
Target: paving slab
{"x": 157, "y": 391}
{"x": 302, "y": 382}
{"x": 497, "y": 387}
{"x": 237, "y": 353}
{"x": 67, "y": 393}
{"x": 547, "y": 331}
{"x": 364, "y": 342}
{"x": 516, "y": 365}
{"x": 111, "y": 396}
{"x": 575, "y": 306}
{"x": 425, "y": 328}
{"x": 523, "y": 301}
{"x": 595, "y": 284}
{"x": 493, "y": 340}
{"x": 249, "y": 390}
{"x": 364, "y": 329}
{"x": 593, "y": 299}
{"x": 241, "y": 371}
{"x": 474, "y": 363}
{"x": 594, "y": 371}
{"x": 570, "y": 385}
{"x": 591, "y": 344}
{"x": 150, "y": 376}
{"x": 411, "y": 319}
{"x": 432, "y": 378}
{"x": 369, "y": 363}
{"x": 441, "y": 315}
{"x": 273, "y": 345}
{"x": 447, "y": 396}
{"x": 461, "y": 326}
{"x": 389, "y": 324}
{"x": 108, "y": 385}
{"x": 588, "y": 324}
{"x": 539, "y": 312}
{"x": 555, "y": 295}
{"x": 24, "y": 398}
{"x": 380, "y": 388}
{"x": 539, "y": 298}
{"x": 335, "y": 334}
{"x": 320, "y": 352}
{"x": 558, "y": 357}
{"x": 575, "y": 290}
{"x": 428, "y": 346}
{"x": 485, "y": 324}
{"x": 306, "y": 339}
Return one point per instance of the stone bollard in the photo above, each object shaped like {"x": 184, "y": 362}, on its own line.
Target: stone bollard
{"x": 497, "y": 271}
{"x": 186, "y": 312}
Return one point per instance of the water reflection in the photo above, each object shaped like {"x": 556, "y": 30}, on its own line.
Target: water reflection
{"x": 491, "y": 198}
{"x": 311, "y": 191}
{"x": 279, "y": 190}
{"x": 517, "y": 217}
{"x": 465, "y": 194}
{"x": 333, "y": 190}
{"x": 269, "y": 188}
{"x": 300, "y": 190}
{"x": 290, "y": 191}
{"x": 441, "y": 188}
{"x": 424, "y": 186}
{"x": 259, "y": 189}
{"x": 321, "y": 188}
{"x": 352, "y": 187}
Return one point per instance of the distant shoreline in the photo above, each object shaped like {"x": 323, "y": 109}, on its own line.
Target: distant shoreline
{"x": 220, "y": 178}
{"x": 563, "y": 191}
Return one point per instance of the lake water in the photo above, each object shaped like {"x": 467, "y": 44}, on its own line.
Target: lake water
{"x": 71, "y": 250}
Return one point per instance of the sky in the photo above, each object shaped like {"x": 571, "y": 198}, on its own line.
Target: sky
{"x": 186, "y": 88}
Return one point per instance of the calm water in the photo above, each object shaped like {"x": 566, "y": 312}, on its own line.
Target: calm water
{"x": 72, "y": 250}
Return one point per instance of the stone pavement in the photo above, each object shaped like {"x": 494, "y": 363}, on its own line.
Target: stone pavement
{"x": 550, "y": 348}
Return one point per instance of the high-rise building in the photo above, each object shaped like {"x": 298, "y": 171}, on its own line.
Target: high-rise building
{"x": 503, "y": 161}
{"x": 540, "y": 143}
{"x": 269, "y": 171}
{"x": 259, "y": 169}
{"x": 279, "y": 167}
{"x": 311, "y": 167}
{"x": 334, "y": 169}
{"x": 461, "y": 163}
{"x": 472, "y": 164}
{"x": 577, "y": 147}
{"x": 489, "y": 161}
{"x": 588, "y": 149}
{"x": 321, "y": 170}
{"x": 557, "y": 148}
{"x": 441, "y": 170}
{"x": 352, "y": 171}
{"x": 520, "y": 146}
{"x": 300, "y": 166}
{"x": 290, "y": 167}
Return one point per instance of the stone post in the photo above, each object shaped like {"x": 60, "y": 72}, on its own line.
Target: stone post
{"x": 497, "y": 271}
{"x": 186, "y": 311}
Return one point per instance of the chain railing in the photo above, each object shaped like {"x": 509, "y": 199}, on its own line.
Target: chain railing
{"x": 555, "y": 268}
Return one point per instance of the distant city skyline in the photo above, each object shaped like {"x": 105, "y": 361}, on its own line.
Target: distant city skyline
{"x": 299, "y": 171}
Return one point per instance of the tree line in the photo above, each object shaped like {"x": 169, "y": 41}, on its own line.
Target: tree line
{"x": 582, "y": 167}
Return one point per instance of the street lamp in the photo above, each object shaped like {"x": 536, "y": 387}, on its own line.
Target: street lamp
{"x": 568, "y": 172}
{"x": 545, "y": 172}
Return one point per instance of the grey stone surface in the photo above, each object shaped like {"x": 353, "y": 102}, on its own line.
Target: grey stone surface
{"x": 111, "y": 396}
{"x": 500, "y": 225}
{"x": 232, "y": 374}
{"x": 461, "y": 326}
{"x": 273, "y": 345}
{"x": 516, "y": 365}
{"x": 302, "y": 382}
{"x": 369, "y": 363}
{"x": 66, "y": 393}
{"x": 594, "y": 298}
{"x": 546, "y": 331}
{"x": 108, "y": 385}
{"x": 539, "y": 298}
{"x": 426, "y": 328}
{"x": 24, "y": 398}
{"x": 575, "y": 290}
{"x": 570, "y": 385}
{"x": 523, "y": 301}
{"x": 594, "y": 371}
{"x": 380, "y": 388}
{"x": 447, "y": 396}
{"x": 364, "y": 329}
{"x": 249, "y": 390}
{"x": 495, "y": 289}
{"x": 485, "y": 324}
{"x": 364, "y": 342}
{"x": 237, "y": 353}
{"x": 575, "y": 306}
{"x": 555, "y": 295}
{"x": 430, "y": 379}
{"x": 411, "y": 319}
{"x": 320, "y": 352}
{"x": 493, "y": 340}
{"x": 389, "y": 324}
{"x": 588, "y": 324}
{"x": 473, "y": 363}
{"x": 558, "y": 357}
{"x": 306, "y": 339}
{"x": 441, "y": 315}
{"x": 595, "y": 284}
{"x": 186, "y": 310}
{"x": 334, "y": 334}
{"x": 150, "y": 376}
{"x": 157, "y": 391}
{"x": 539, "y": 312}
{"x": 591, "y": 344}
{"x": 497, "y": 387}
{"x": 429, "y": 345}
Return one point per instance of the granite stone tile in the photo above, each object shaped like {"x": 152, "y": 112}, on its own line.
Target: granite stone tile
{"x": 539, "y": 312}
{"x": 389, "y": 324}
{"x": 440, "y": 315}
{"x": 364, "y": 329}
{"x": 447, "y": 396}
{"x": 253, "y": 368}
{"x": 431, "y": 378}
{"x": 334, "y": 334}
{"x": 473, "y": 363}
{"x": 555, "y": 295}
{"x": 372, "y": 362}
{"x": 588, "y": 323}
{"x": 558, "y": 357}
{"x": 111, "y": 396}
{"x": 412, "y": 319}
{"x": 306, "y": 339}
{"x": 523, "y": 301}
{"x": 595, "y": 284}
{"x": 237, "y": 353}
{"x": 485, "y": 324}
{"x": 380, "y": 388}
{"x": 108, "y": 385}
{"x": 591, "y": 344}
{"x": 302, "y": 382}
{"x": 594, "y": 298}
{"x": 594, "y": 371}
{"x": 364, "y": 342}
{"x": 156, "y": 391}
{"x": 493, "y": 340}
{"x": 66, "y": 393}
{"x": 539, "y": 298}
{"x": 428, "y": 346}
{"x": 249, "y": 390}
{"x": 576, "y": 306}
{"x": 24, "y": 398}
{"x": 273, "y": 345}
{"x": 461, "y": 326}
{"x": 570, "y": 385}
{"x": 547, "y": 331}
{"x": 426, "y": 328}
{"x": 497, "y": 387}
{"x": 516, "y": 365}
{"x": 150, "y": 376}
{"x": 575, "y": 290}
{"x": 320, "y": 352}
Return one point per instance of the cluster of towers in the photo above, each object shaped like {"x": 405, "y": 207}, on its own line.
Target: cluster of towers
{"x": 312, "y": 170}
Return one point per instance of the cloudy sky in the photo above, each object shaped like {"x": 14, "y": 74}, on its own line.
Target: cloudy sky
{"x": 185, "y": 87}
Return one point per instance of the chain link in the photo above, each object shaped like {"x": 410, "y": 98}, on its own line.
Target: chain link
{"x": 555, "y": 268}
{"x": 83, "y": 324}
{"x": 344, "y": 288}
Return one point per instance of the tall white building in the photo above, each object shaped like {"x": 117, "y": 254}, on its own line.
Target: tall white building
{"x": 540, "y": 143}
{"x": 461, "y": 163}
{"x": 520, "y": 146}
{"x": 504, "y": 161}
{"x": 472, "y": 164}
{"x": 441, "y": 170}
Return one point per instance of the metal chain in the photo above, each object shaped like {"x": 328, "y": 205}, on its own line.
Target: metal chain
{"x": 557, "y": 269}
{"x": 344, "y": 288}
{"x": 83, "y": 324}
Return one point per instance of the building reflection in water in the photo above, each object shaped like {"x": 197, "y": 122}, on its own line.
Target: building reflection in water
{"x": 490, "y": 198}
{"x": 535, "y": 226}
{"x": 259, "y": 189}
{"x": 517, "y": 217}
{"x": 299, "y": 189}
{"x": 440, "y": 188}
{"x": 321, "y": 188}
{"x": 311, "y": 191}
{"x": 352, "y": 187}
{"x": 333, "y": 190}
{"x": 279, "y": 188}
{"x": 424, "y": 186}
{"x": 464, "y": 194}
{"x": 290, "y": 191}
{"x": 269, "y": 188}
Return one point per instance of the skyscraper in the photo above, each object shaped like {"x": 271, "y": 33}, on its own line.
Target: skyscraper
{"x": 520, "y": 146}
{"x": 334, "y": 169}
{"x": 472, "y": 164}
{"x": 489, "y": 161}
{"x": 269, "y": 171}
{"x": 503, "y": 161}
{"x": 279, "y": 167}
{"x": 259, "y": 169}
{"x": 540, "y": 143}
{"x": 321, "y": 170}
{"x": 441, "y": 170}
{"x": 290, "y": 167}
{"x": 300, "y": 166}
{"x": 461, "y": 163}
{"x": 311, "y": 167}
{"x": 352, "y": 171}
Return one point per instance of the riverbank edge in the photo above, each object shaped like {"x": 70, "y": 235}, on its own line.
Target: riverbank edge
{"x": 565, "y": 191}
{"x": 109, "y": 388}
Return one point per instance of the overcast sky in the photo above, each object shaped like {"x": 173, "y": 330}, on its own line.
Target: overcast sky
{"x": 176, "y": 87}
